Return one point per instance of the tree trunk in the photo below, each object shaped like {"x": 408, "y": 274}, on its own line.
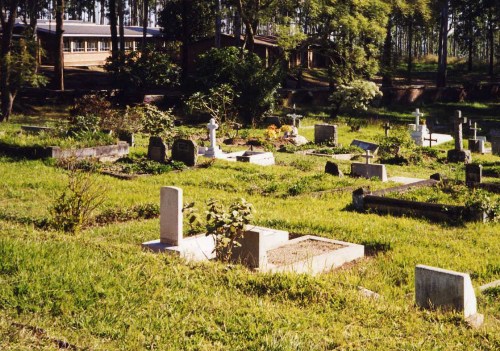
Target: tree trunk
{"x": 410, "y": 49}
{"x": 103, "y": 11}
{"x": 113, "y": 22}
{"x": 7, "y": 30}
{"x": 443, "y": 46}
{"x": 491, "y": 44}
{"x": 59, "y": 56}
{"x": 218, "y": 24}
{"x": 185, "y": 39}
{"x": 121, "y": 20}
{"x": 145, "y": 23}
{"x": 387, "y": 56}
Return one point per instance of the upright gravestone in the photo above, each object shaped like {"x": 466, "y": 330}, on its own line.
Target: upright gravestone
{"x": 473, "y": 175}
{"x": 157, "y": 149}
{"x": 440, "y": 288}
{"x": 475, "y": 144}
{"x": 186, "y": 151}
{"x": 171, "y": 224}
{"x": 459, "y": 154}
{"x": 325, "y": 133}
{"x": 333, "y": 169}
{"x": 387, "y": 127}
{"x": 495, "y": 141}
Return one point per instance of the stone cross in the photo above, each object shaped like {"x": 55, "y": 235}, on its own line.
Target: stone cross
{"x": 417, "y": 115}
{"x": 387, "y": 127}
{"x": 294, "y": 116}
{"x": 212, "y": 126}
{"x": 430, "y": 140}
{"x": 459, "y": 120}
{"x": 367, "y": 157}
{"x": 475, "y": 129}
{"x": 171, "y": 224}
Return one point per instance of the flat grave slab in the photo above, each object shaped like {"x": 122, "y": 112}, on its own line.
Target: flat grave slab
{"x": 193, "y": 248}
{"x": 257, "y": 157}
{"x": 404, "y": 180}
{"x": 311, "y": 254}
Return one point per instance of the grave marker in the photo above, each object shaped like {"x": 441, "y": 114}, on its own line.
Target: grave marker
{"x": 365, "y": 145}
{"x": 171, "y": 224}
{"x": 430, "y": 140}
{"x": 417, "y": 114}
{"x": 212, "y": 150}
{"x": 459, "y": 154}
{"x": 186, "y": 151}
{"x": 387, "y": 127}
{"x": 475, "y": 144}
{"x": 436, "y": 287}
{"x": 325, "y": 133}
{"x": 473, "y": 175}
{"x": 157, "y": 149}
{"x": 495, "y": 141}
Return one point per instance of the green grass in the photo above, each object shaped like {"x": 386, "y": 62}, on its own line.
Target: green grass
{"x": 99, "y": 290}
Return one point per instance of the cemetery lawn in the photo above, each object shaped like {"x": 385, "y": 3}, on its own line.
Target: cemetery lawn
{"x": 99, "y": 290}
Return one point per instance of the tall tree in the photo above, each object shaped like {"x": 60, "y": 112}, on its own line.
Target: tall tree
{"x": 8, "y": 17}
{"x": 59, "y": 56}
{"x": 145, "y": 22}
{"x": 443, "y": 44}
{"x": 187, "y": 21}
{"x": 113, "y": 23}
{"x": 121, "y": 25}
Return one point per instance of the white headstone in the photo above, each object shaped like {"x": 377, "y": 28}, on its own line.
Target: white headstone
{"x": 436, "y": 287}
{"x": 171, "y": 225}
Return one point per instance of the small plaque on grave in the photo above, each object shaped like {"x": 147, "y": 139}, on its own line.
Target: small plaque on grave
{"x": 365, "y": 145}
{"x": 186, "y": 151}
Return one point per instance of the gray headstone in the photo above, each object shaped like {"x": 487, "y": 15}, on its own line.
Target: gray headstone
{"x": 369, "y": 171}
{"x": 365, "y": 145}
{"x": 186, "y": 151}
{"x": 157, "y": 149}
{"x": 333, "y": 169}
{"x": 325, "y": 133}
{"x": 476, "y": 145}
{"x": 436, "y": 287}
{"x": 473, "y": 174}
{"x": 495, "y": 141}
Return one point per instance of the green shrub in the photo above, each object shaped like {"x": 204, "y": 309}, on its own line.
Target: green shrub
{"x": 227, "y": 225}
{"x": 73, "y": 209}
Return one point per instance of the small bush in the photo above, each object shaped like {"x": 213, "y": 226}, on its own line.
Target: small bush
{"x": 73, "y": 209}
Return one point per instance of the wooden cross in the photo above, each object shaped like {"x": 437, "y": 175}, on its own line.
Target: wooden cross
{"x": 475, "y": 129}
{"x": 367, "y": 157}
{"x": 387, "y": 127}
{"x": 430, "y": 139}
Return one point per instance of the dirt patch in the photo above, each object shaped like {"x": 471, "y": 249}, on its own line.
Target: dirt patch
{"x": 300, "y": 251}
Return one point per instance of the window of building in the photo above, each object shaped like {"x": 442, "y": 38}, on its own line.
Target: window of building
{"x": 104, "y": 45}
{"x": 129, "y": 45}
{"x": 79, "y": 45}
{"x": 67, "y": 45}
{"x": 92, "y": 45}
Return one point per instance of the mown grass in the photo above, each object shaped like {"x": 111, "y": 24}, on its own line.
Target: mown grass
{"x": 99, "y": 290}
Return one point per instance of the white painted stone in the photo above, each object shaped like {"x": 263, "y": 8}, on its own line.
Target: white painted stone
{"x": 193, "y": 248}
{"x": 436, "y": 287}
{"x": 213, "y": 150}
{"x": 257, "y": 157}
{"x": 405, "y": 180}
{"x": 171, "y": 225}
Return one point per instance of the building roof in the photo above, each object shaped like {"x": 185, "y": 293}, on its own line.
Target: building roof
{"x": 88, "y": 29}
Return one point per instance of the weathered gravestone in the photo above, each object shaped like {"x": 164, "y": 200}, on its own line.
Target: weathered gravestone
{"x": 440, "y": 288}
{"x": 325, "y": 133}
{"x": 495, "y": 141}
{"x": 157, "y": 149}
{"x": 186, "y": 151}
{"x": 387, "y": 127}
{"x": 473, "y": 175}
{"x": 333, "y": 169}
{"x": 368, "y": 170}
{"x": 475, "y": 144}
{"x": 459, "y": 154}
{"x": 365, "y": 145}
